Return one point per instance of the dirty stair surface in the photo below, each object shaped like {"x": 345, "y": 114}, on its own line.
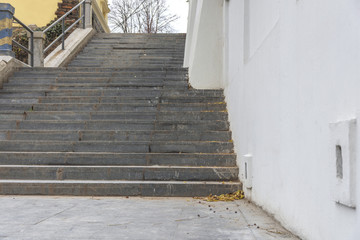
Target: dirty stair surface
{"x": 119, "y": 120}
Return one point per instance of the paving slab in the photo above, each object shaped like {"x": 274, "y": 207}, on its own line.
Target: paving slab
{"x": 39, "y": 217}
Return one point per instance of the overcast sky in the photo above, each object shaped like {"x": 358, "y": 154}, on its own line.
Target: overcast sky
{"x": 179, "y": 7}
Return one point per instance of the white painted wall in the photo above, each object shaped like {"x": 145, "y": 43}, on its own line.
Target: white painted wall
{"x": 204, "y": 51}
{"x": 291, "y": 69}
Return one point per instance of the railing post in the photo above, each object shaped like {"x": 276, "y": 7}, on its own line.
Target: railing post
{"x": 38, "y": 50}
{"x": 88, "y": 14}
{"x": 6, "y": 19}
{"x": 63, "y": 34}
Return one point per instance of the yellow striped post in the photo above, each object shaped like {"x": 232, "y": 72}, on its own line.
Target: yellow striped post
{"x": 6, "y": 18}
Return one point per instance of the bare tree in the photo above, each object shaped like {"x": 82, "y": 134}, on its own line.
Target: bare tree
{"x": 122, "y": 15}
{"x": 141, "y": 16}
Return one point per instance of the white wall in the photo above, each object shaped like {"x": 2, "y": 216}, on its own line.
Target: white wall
{"x": 292, "y": 68}
{"x": 204, "y": 46}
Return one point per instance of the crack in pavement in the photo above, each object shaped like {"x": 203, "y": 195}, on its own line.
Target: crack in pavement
{"x": 54, "y": 215}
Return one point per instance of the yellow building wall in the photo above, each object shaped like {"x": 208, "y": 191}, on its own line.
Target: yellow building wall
{"x": 39, "y": 12}
{"x": 103, "y": 4}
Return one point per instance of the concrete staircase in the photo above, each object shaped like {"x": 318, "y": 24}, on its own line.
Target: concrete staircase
{"x": 119, "y": 120}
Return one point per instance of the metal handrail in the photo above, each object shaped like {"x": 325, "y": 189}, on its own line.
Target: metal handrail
{"x": 64, "y": 31}
{"x": 31, "y": 50}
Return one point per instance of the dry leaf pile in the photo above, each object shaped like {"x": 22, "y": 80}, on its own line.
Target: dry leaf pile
{"x": 229, "y": 197}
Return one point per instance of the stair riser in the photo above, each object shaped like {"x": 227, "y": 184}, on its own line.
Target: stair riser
{"x": 115, "y": 136}
{"x": 115, "y": 126}
{"x": 117, "y": 159}
{"x": 162, "y": 116}
{"x": 87, "y": 84}
{"x": 18, "y": 93}
{"x": 146, "y": 87}
{"x": 110, "y": 64}
{"x": 115, "y": 108}
{"x": 124, "y": 147}
{"x": 108, "y": 100}
{"x": 117, "y": 189}
{"x": 119, "y": 173}
{"x": 118, "y": 69}
{"x": 73, "y": 80}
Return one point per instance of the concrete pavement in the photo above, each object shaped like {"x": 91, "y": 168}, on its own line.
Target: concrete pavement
{"x": 38, "y": 217}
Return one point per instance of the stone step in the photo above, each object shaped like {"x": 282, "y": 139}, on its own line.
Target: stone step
{"x": 70, "y": 99}
{"x": 125, "y": 107}
{"x": 93, "y": 87}
{"x": 24, "y": 92}
{"x": 117, "y": 188}
{"x": 109, "y": 100}
{"x": 65, "y": 78}
{"x": 101, "y": 72}
{"x": 137, "y": 46}
{"x": 99, "y": 77}
{"x": 132, "y": 52}
{"x": 140, "y": 43}
{"x": 104, "y": 62}
{"x": 110, "y": 135}
{"x": 115, "y": 159}
{"x": 123, "y": 55}
{"x": 119, "y": 69}
{"x": 99, "y": 115}
{"x": 115, "y": 125}
{"x": 135, "y": 59}
{"x": 97, "y": 64}
{"x": 118, "y": 147}
{"x": 133, "y": 173}
{"x": 55, "y": 84}
{"x": 117, "y": 52}
{"x": 159, "y": 116}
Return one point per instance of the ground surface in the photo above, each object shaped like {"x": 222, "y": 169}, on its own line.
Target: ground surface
{"x": 33, "y": 217}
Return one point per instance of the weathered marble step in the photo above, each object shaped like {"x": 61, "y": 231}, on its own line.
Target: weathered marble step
{"x": 117, "y": 188}
{"x": 124, "y": 159}
{"x": 126, "y": 107}
{"x": 120, "y": 147}
{"x": 109, "y": 135}
{"x": 114, "y": 125}
{"x": 99, "y": 115}
{"x": 144, "y": 173}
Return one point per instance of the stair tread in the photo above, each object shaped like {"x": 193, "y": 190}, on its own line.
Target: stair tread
{"x": 122, "y": 182}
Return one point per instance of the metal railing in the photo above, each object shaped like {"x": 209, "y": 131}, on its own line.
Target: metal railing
{"x": 31, "y": 40}
{"x": 62, "y": 20}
